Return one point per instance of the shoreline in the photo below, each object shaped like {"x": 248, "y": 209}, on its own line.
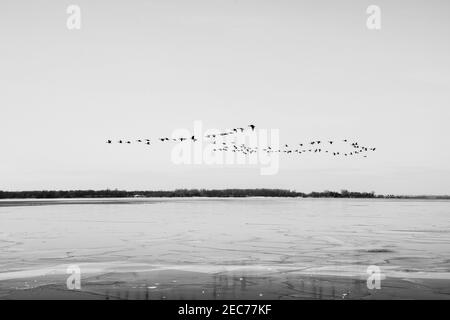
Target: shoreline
{"x": 130, "y": 200}
{"x": 208, "y": 193}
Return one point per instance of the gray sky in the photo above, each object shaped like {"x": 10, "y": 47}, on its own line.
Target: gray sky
{"x": 145, "y": 68}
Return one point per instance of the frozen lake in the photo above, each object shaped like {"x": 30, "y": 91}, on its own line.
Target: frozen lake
{"x": 225, "y": 248}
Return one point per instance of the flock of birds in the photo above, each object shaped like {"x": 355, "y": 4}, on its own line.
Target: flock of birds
{"x": 315, "y": 146}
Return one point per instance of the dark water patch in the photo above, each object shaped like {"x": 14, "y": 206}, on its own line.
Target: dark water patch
{"x": 379, "y": 250}
{"x": 423, "y": 230}
{"x": 21, "y": 203}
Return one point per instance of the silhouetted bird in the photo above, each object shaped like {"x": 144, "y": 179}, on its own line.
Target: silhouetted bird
{"x": 109, "y": 141}
{"x": 252, "y": 127}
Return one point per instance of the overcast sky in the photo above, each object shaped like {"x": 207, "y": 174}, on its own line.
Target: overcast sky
{"x": 145, "y": 68}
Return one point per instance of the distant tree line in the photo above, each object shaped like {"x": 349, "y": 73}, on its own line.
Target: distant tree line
{"x": 48, "y": 194}
{"x": 223, "y": 193}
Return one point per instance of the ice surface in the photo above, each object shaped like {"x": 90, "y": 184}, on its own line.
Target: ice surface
{"x": 239, "y": 238}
